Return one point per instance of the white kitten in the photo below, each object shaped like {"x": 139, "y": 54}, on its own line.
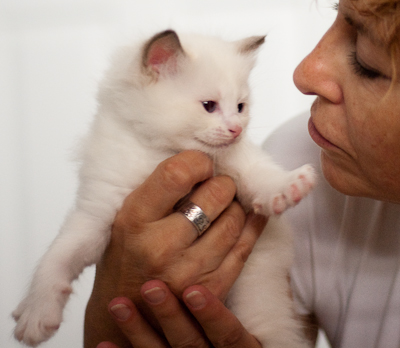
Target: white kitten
{"x": 164, "y": 96}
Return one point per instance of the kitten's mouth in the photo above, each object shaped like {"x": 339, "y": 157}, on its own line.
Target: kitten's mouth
{"x": 217, "y": 145}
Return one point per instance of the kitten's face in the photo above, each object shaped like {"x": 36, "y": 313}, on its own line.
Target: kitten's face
{"x": 195, "y": 94}
{"x": 205, "y": 107}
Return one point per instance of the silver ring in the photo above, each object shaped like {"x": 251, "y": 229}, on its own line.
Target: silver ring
{"x": 196, "y": 216}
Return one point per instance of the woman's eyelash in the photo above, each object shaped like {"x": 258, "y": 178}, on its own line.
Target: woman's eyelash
{"x": 361, "y": 70}
{"x": 335, "y": 6}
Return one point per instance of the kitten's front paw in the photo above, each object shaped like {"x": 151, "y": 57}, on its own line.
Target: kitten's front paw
{"x": 297, "y": 185}
{"x": 39, "y": 317}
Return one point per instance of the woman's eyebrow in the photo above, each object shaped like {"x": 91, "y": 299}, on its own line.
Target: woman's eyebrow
{"x": 362, "y": 29}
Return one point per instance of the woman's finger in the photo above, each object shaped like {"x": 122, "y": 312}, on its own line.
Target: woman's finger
{"x": 227, "y": 249}
{"x": 213, "y": 197}
{"x": 170, "y": 181}
{"x": 223, "y": 234}
{"x": 177, "y": 324}
{"x": 220, "y": 325}
{"x": 253, "y": 227}
{"x": 136, "y": 329}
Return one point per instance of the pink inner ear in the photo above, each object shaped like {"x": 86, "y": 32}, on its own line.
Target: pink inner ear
{"x": 159, "y": 55}
{"x": 162, "y": 52}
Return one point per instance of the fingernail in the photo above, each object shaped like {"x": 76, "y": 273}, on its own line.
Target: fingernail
{"x": 196, "y": 299}
{"x": 121, "y": 312}
{"x": 155, "y": 295}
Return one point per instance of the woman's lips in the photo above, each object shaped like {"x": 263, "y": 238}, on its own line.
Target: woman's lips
{"x": 317, "y": 137}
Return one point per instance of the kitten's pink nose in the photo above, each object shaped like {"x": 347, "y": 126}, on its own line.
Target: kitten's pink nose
{"x": 235, "y": 130}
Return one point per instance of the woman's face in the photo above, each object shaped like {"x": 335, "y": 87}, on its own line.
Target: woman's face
{"x": 355, "y": 118}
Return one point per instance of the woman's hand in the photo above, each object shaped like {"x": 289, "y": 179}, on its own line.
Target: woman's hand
{"x": 215, "y": 325}
{"x": 151, "y": 241}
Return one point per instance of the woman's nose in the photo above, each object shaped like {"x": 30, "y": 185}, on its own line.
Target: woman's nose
{"x": 319, "y": 72}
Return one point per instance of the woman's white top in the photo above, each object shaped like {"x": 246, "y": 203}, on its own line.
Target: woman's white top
{"x": 346, "y": 270}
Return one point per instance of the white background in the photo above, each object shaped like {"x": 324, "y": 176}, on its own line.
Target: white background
{"x": 52, "y": 53}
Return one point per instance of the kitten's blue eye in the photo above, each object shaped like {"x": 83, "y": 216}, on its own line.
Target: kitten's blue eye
{"x": 210, "y": 106}
{"x": 240, "y": 107}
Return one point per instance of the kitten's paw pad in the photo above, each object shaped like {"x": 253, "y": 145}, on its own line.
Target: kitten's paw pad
{"x": 295, "y": 193}
{"x": 32, "y": 332}
{"x": 279, "y": 204}
{"x": 302, "y": 181}
{"x": 276, "y": 206}
{"x": 33, "y": 328}
{"x": 294, "y": 188}
{"x": 258, "y": 208}
{"x": 39, "y": 318}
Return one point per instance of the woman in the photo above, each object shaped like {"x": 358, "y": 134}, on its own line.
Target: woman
{"x": 346, "y": 273}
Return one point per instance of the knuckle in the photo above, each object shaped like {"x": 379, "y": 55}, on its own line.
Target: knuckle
{"x": 233, "y": 224}
{"x": 221, "y": 190}
{"x": 123, "y": 223}
{"x": 175, "y": 174}
{"x": 243, "y": 250}
{"x": 179, "y": 284}
{"x": 185, "y": 275}
{"x": 154, "y": 259}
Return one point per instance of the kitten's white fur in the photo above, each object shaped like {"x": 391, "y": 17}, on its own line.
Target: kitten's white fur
{"x": 150, "y": 108}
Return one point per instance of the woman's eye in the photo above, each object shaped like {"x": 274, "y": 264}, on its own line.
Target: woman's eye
{"x": 210, "y": 106}
{"x": 361, "y": 70}
{"x": 240, "y": 107}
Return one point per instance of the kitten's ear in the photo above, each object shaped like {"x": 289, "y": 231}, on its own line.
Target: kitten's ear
{"x": 162, "y": 53}
{"x": 250, "y": 44}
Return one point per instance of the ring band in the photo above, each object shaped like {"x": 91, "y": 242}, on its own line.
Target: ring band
{"x": 196, "y": 216}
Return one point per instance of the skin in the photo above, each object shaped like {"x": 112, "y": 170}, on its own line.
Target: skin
{"x": 202, "y": 305}
{"x": 354, "y": 119}
{"x": 147, "y": 228}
